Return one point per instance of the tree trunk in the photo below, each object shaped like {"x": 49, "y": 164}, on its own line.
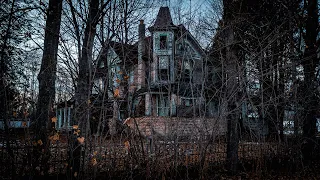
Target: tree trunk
{"x": 231, "y": 88}
{"x": 233, "y": 110}
{"x": 310, "y": 82}
{"x": 47, "y": 74}
{"x": 83, "y": 89}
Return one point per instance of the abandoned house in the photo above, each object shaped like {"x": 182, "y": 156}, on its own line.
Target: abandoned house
{"x": 163, "y": 85}
{"x": 157, "y": 82}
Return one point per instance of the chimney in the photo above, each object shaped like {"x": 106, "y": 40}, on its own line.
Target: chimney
{"x": 142, "y": 31}
{"x": 141, "y": 53}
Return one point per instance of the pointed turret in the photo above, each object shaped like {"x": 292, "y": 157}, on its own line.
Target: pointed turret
{"x": 163, "y": 20}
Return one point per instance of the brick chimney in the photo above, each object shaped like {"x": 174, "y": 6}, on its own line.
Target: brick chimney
{"x": 142, "y": 32}
{"x": 141, "y": 53}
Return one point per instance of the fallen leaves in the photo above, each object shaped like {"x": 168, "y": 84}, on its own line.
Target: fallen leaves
{"x": 54, "y": 119}
{"x": 76, "y": 132}
{"x": 117, "y": 93}
{"x": 24, "y": 124}
{"x": 80, "y": 140}
{"x": 95, "y": 153}
{"x": 94, "y": 161}
{"x": 127, "y": 145}
{"x": 40, "y": 142}
{"x": 55, "y": 137}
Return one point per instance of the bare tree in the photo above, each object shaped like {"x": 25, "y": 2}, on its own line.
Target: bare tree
{"x": 47, "y": 75}
{"x": 231, "y": 62}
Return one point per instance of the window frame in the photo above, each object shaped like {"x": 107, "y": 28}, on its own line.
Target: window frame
{"x": 163, "y": 105}
{"x": 163, "y": 70}
{"x": 163, "y": 41}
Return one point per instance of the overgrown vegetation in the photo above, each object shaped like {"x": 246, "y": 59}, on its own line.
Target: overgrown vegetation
{"x": 260, "y": 77}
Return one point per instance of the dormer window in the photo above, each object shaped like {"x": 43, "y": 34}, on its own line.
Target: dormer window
{"x": 163, "y": 42}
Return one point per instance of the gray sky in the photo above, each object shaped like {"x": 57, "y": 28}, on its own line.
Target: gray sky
{"x": 200, "y": 17}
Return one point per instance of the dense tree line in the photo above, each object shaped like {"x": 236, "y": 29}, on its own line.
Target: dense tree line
{"x": 265, "y": 48}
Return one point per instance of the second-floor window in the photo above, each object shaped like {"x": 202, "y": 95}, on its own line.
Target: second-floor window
{"x": 163, "y": 68}
{"x": 187, "y": 70}
{"x": 163, "y": 42}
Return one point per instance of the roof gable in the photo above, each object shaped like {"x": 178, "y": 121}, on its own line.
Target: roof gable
{"x": 125, "y": 52}
{"x": 183, "y": 33}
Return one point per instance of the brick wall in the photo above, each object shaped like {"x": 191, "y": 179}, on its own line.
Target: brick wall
{"x": 177, "y": 126}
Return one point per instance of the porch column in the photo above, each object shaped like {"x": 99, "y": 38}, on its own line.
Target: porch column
{"x": 65, "y": 120}
{"x": 148, "y": 104}
{"x": 173, "y": 105}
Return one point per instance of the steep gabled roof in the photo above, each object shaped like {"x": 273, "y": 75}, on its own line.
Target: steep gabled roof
{"x": 125, "y": 52}
{"x": 184, "y": 33}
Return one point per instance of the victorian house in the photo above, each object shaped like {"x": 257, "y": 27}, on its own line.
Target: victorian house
{"x": 157, "y": 83}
